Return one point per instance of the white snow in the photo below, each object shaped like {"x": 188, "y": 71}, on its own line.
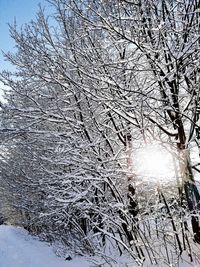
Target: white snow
{"x": 19, "y": 249}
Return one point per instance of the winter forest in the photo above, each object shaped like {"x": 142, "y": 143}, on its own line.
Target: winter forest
{"x": 100, "y": 129}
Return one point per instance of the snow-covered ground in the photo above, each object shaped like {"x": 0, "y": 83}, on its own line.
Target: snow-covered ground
{"x": 18, "y": 249}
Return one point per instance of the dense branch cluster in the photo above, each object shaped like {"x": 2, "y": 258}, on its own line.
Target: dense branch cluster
{"x": 94, "y": 80}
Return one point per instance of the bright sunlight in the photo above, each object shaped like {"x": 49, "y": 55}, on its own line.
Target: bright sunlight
{"x": 154, "y": 162}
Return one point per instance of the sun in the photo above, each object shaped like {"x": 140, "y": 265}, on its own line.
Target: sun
{"x": 154, "y": 162}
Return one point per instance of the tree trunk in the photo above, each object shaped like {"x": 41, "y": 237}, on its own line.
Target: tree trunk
{"x": 190, "y": 190}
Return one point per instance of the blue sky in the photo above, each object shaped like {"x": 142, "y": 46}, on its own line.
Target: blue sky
{"x": 21, "y": 10}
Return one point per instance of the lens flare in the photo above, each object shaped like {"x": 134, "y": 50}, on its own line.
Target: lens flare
{"x": 154, "y": 162}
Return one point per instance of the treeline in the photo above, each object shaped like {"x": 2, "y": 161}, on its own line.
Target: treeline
{"x": 92, "y": 80}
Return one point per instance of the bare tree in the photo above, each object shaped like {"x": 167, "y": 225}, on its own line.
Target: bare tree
{"x": 91, "y": 80}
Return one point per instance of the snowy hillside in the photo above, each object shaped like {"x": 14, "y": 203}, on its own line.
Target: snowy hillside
{"x": 18, "y": 249}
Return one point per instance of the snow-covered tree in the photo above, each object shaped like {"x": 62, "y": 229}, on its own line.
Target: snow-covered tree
{"x": 93, "y": 81}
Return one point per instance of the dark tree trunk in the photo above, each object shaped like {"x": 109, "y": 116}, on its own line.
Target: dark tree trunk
{"x": 189, "y": 187}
